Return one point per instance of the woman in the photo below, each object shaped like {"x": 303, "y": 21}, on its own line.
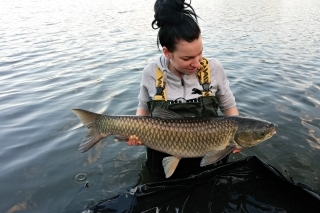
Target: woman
{"x": 179, "y": 86}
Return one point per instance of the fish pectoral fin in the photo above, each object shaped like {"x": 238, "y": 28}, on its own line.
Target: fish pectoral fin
{"x": 170, "y": 164}
{"x": 215, "y": 155}
{"x": 120, "y": 138}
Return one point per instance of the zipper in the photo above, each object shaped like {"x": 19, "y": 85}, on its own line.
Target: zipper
{"x": 182, "y": 81}
{"x": 183, "y": 85}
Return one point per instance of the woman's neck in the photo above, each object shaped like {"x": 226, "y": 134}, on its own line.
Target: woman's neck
{"x": 174, "y": 70}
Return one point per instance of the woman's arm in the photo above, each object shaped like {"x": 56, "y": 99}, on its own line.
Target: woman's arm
{"x": 233, "y": 111}
{"x": 142, "y": 112}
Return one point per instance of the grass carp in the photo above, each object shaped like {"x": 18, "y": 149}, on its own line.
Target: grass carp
{"x": 211, "y": 138}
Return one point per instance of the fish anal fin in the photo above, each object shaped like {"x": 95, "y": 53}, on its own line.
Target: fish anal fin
{"x": 215, "y": 155}
{"x": 170, "y": 164}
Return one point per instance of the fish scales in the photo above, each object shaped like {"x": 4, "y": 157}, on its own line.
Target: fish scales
{"x": 179, "y": 137}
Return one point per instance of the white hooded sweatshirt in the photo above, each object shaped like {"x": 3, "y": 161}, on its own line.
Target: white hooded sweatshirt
{"x": 182, "y": 87}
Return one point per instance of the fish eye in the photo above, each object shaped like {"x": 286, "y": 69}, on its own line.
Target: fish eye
{"x": 262, "y": 133}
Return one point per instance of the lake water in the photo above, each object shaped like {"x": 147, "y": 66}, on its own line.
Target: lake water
{"x": 59, "y": 55}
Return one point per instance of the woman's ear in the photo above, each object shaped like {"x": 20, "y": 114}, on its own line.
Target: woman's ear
{"x": 166, "y": 53}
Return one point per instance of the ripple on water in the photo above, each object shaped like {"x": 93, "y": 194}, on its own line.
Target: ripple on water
{"x": 80, "y": 177}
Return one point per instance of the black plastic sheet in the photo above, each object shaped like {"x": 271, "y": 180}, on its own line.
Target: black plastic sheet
{"x": 247, "y": 185}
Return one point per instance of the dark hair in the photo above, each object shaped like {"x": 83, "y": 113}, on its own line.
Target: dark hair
{"x": 176, "y": 21}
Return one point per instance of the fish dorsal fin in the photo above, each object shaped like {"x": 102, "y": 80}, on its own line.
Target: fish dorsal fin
{"x": 164, "y": 113}
{"x": 216, "y": 155}
{"x": 170, "y": 164}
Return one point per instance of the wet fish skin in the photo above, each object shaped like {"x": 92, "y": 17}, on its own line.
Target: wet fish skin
{"x": 210, "y": 138}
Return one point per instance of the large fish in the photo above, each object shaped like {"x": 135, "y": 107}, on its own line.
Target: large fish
{"x": 211, "y": 138}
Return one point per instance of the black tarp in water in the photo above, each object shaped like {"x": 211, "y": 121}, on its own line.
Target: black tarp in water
{"x": 247, "y": 185}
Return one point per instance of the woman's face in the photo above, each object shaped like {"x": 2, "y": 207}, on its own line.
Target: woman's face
{"x": 185, "y": 59}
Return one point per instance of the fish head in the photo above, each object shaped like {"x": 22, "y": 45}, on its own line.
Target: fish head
{"x": 252, "y": 131}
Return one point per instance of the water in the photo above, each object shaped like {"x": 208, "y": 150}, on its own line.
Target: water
{"x": 59, "y": 55}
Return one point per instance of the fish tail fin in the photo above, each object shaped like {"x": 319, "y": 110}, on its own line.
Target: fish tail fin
{"x": 93, "y": 136}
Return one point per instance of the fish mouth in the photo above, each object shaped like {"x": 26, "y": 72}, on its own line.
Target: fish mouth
{"x": 274, "y": 131}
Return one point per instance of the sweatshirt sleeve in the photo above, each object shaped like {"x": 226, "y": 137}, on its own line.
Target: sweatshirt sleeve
{"x": 146, "y": 86}
{"x": 224, "y": 93}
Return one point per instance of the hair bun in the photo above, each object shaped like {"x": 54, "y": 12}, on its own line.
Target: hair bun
{"x": 168, "y": 11}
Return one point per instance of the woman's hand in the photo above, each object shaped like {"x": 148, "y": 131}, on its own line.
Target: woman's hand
{"x": 236, "y": 150}
{"x": 134, "y": 141}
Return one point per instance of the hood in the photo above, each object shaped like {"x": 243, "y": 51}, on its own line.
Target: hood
{"x": 162, "y": 62}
